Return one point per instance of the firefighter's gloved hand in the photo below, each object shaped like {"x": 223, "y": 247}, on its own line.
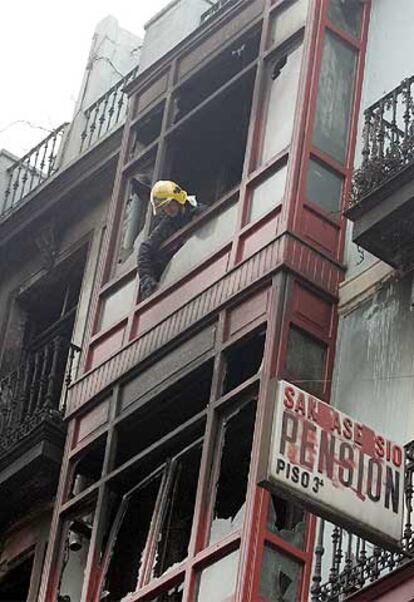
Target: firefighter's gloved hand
{"x": 147, "y": 286}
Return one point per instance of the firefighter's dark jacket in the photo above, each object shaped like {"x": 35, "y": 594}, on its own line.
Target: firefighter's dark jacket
{"x": 152, "y": 259}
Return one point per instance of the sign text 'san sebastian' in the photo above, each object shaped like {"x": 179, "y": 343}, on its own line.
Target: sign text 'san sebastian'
{"x": 339, "y": 467}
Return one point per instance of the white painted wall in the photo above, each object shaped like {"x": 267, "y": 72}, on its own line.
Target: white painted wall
{"x": 389, "y": 59}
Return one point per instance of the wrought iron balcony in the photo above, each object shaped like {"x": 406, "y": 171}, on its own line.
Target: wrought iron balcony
{"x": 31, "y": 393}
{"x": 107, "y": 112}
{"x": 381, "y": 204}
{"x": 27, "y": 173}
{"x": 354, "y": 563}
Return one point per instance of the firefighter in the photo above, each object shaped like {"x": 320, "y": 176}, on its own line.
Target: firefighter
{"x": 174, "y": 208}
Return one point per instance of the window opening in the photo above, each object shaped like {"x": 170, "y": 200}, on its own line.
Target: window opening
{"x": 286, "y": 520}
{"x": 175, "y": 532}
{"x": 231, "y": 484}
{"x": 217, "y": 73}
{"x": 243, "y": 360}
{"x": 206, "y": 154}
{"x": 75, "y": 554}
{"x": 305, "y": 360}
{"x": 131, "y": 528}
{"x": 134, "y": 213}
{"x": 146, "y": 130}
{"x": 152, "y": 529}
{"x": 14, "y": 586}
{"x": 163, "y": 414}
{"x": 88, "y": 468}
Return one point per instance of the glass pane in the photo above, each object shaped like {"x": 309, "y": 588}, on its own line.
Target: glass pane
{"x": 335, "y": 90}
{"x": 117, "y": 305}
{"x": 268, "y": 194}
{"x": 324, "y": 187}
{"x": 305, "y": 360}
{"x": 281, "y": 103}
{"x": 288, "y": 21}
{"x": 286, "y": 520}
{"x": 218, "y": 581}
{"x": 280, "y": 577}
{"x": 122, "y": 575}
{"x": 209, "y": 237}
{"x": 175, "y": 532}
{"x": 346, "y": 15}
{"x": 234, "y": 470}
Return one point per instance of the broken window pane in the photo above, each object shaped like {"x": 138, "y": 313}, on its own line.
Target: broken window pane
{"x": 280, "y": 577}
{"x": 175, "y": 532}
{"x": 305, "y": 360}
{"x": 334, "y": 101}
{"x": 218, "y": 581}
{"x": 283, "y": 82}
{"x": 146, "y": 130}
{"x": 123, "y": 570}
{"x": 212, "y": 168}
{"x": 231, "y": 486}
{"x": 268, "y": 194}
{"x": 346, "y": 15}
{"x": 243, "y": 361}
{"x": 172, "y": 594}
{"x": 76, "y": 548}
{"x": 286, "y": 520}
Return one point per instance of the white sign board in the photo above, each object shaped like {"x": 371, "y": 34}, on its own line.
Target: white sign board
{"x": 338, "y": 467}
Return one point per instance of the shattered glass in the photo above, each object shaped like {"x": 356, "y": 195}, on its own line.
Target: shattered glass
{"x": 280, "y": 577}
{"x": 231, "y": 486}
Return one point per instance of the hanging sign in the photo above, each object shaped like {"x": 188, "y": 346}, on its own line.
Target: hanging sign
{"x": 338, "y": 467}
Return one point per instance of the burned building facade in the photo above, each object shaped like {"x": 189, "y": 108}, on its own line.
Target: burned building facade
{"x": 254, "y": 106}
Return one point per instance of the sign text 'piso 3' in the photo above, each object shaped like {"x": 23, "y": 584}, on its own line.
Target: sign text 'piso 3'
{"x": 340, "y": 468}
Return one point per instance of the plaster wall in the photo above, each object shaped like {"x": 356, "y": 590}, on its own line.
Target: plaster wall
{"x": 388, "y": 61}
{"x": 114, "y": 52}
{"x": 374, "y": 364}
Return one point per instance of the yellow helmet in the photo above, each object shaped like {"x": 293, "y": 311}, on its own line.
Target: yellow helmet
{"x": 165, "y": 191}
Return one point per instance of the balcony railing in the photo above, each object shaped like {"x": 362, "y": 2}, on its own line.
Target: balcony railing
{"x": 388, "y": 140}
{"x": 216, "y": 8}
{"x": 354, "y": 563}
{"x": 33, "y": 169}
{"x": 32, "y": 393}
{"x": 107, "y": 112}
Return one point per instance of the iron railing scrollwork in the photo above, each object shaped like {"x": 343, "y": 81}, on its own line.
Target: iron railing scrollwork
{"x": 106, "y": 112}
{"x": 27, "y": 173}
{"x": 354, "y": 563}
{"x": 32, "y": 392}
{"x": 388, "y": 140}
